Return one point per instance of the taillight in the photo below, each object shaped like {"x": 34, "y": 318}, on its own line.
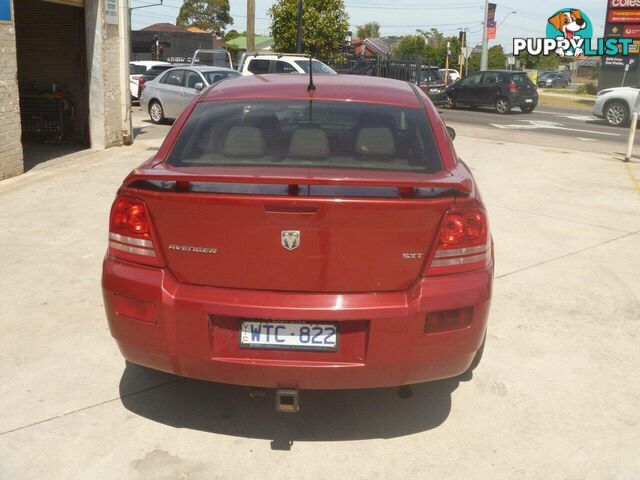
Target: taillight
{"x": 130, "y": 232}
{"x": 463, "y": 243}
{"x": 513, "y": 88}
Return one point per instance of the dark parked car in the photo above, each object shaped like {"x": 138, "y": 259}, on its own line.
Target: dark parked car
{"x": 432, "y": 83}
{"x": 554, "y": 79}
{"x": 502, "y": 89}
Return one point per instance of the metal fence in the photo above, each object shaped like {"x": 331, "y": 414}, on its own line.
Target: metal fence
{"x": 410, "y": 68}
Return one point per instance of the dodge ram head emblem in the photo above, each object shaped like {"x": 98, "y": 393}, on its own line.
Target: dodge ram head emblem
{"x": 290, "y": 239}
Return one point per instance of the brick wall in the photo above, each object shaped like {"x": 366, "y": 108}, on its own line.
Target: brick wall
{"x": 111, "y": 82}
{"x": 10, "y": 145}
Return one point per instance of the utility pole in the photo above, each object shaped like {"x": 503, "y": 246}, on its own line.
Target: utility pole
{"x": 299, "y": 35}
{"x": 484, "y": 57}
{"x": 462, "y": 36}
{"x": 251, "y": 25}
{"x": 446, "y": 64}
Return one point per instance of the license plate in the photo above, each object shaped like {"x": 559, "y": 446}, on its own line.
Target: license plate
{"x": 528, "y": 100}
{"x": 289, "y": 335}
{"x": 434, "y": 90}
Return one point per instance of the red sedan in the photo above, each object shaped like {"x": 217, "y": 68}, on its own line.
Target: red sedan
{"x": 302, "y": 237}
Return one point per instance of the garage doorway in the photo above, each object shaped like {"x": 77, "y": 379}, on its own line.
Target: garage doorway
{"x": 52, "y": 78}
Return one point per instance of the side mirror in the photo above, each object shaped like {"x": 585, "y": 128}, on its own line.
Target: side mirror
{"x": 452, "y": 133}
{"x": 198, "y": 86}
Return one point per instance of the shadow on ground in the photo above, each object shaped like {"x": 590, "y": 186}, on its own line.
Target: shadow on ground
{"x": 324, "y": 415}
{"x": 35, "y": 154}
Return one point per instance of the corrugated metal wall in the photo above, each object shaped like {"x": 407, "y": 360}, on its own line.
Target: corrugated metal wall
{"x": 50, "y": 41}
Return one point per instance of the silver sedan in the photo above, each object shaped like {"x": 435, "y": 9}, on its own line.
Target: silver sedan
{"x": 168, "y": 94}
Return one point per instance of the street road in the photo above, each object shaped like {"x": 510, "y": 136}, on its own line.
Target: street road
{"x": 570, "y": 128}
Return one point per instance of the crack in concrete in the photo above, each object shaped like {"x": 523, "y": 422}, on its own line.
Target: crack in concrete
{"x": 563, "y": 219}
{"x": 39, "y": 422}
{"x": 567, "y": 254}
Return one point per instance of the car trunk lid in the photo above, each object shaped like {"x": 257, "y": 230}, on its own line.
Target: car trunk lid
{"x": 296, "y": 231}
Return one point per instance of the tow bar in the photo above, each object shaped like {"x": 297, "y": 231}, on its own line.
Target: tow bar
{"x": 287, "y": 401}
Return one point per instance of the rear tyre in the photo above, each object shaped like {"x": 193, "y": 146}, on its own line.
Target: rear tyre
{"x": 503, "y": 105}
{"x": 156, "y": 112}
{"x": 616, "y": 114}
{"x": 527, "y": 109}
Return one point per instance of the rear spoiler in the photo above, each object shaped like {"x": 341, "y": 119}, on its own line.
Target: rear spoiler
{"x": 447, "y": 181}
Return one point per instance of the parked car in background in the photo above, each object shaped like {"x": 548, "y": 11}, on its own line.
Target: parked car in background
{"x": 293, "y": 239}
{"x": 261, "y": 63}
{"x": 152, "y": 73}
{"x": 501, "y": 89}
{"x": 136, "y": 70}
{"x": 217, "y": 57}
{"x": 453, "y": 74}
{"x": 616, "y": 104}
{"x": 167, "y": 95}
{"x": 432, "y": 83}
{"x": 554, "y": 79}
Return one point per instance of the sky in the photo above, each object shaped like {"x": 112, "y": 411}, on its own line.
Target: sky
{"x": 515, "y": 18}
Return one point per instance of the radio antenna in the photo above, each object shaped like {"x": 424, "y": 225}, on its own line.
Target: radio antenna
{"x": 311, "y": 86}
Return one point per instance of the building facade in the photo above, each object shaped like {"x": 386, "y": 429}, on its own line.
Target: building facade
{"x": 64, "y": 78}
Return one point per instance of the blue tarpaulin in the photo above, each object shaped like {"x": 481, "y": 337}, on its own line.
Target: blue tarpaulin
{"x": 5, "y": 10}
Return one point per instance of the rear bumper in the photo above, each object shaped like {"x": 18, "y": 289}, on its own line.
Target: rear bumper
{"x": 192, "y": 331}
{"x": 522, "y": 100}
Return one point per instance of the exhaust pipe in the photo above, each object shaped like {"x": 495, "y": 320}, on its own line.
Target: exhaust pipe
{"x": 287, "y": 401}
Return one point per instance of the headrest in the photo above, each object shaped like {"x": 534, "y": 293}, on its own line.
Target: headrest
{"x": 244, "y": 142}
{"x": 375, "y": 142}
{"x": 309, "y": 142}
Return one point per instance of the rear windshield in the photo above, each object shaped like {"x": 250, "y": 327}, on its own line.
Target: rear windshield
{"x": 136, "y": 69}
{"x": 307, "y": 134}
{"x": 318, "y": 67}
{"x": 521, "y": 79}
{"x": 431, "y": 75}
{"x": 213, "y": 77}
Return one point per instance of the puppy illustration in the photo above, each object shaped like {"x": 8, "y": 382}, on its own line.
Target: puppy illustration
{"x": 568, "y": 23}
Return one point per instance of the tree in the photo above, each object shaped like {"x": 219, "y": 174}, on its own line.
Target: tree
{"x": 431, "y": 46}
{"x": 368, "y": 30}
{"x": 411, "y": 45}
{"x": 325, "y": 25}
{"x": 433, "y": 37}
{"x": 210, "y": 15}
{"x": 538, "y": 62}
{"x": 496, "y": 59}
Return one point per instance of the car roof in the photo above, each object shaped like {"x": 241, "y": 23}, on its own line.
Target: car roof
{"x": 202, "y": 68}
{"x": 148, "y": 63}
{"x": 328, "y": 87}
{"x": 278, "y": 56}
{"x": 210, "y": 68}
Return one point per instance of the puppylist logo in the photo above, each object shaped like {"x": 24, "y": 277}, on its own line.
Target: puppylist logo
{"x": 570, "y": 33}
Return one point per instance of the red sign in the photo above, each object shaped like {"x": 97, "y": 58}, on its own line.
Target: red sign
{"x": 624, "y": 16}
{"x": 624, "y": 3}
{"x": 491, "y": 30}
{"x": 631, "y": 31}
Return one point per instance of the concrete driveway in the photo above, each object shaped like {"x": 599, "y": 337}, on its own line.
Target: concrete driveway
{"x": 555, "y": 397}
